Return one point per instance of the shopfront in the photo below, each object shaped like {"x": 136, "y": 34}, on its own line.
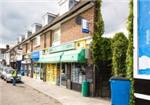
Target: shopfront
{"x": 36, "y": 70}
{"x": 18, "y": 59}
{"x": 65, "y": 65}
{"x": 36, "y": 65}
{"x": 74, "y": 63}
{"x": 52, "y": 74}
{"x": 26, "y": 65}
{"x": 77, "y": 76}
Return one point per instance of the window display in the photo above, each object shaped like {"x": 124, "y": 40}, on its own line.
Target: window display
{"x": 78, "y": 73}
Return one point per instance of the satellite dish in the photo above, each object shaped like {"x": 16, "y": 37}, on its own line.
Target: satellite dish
{"x": 78, "y": 20}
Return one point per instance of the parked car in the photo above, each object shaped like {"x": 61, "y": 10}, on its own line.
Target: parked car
{"x": 8, "y": 77}
{"x": 3, "y": 72}
{"x": 1, "y": 69}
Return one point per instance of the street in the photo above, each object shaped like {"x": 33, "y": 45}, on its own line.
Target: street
{"x": 22, "y": 94}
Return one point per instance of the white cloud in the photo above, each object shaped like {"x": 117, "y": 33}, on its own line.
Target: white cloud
{"x": 16, "y": 16}
{"x": 144, "y": 62}
{"x": 115, "y": 14}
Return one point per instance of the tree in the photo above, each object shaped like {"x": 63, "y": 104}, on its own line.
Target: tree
{"x": 101, "y": 49}
{"x": 98, "y": 32}
{"x": 119, "y": 50}
{"x": 129, "y": 60}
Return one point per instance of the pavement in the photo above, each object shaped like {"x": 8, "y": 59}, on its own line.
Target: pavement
{"x": 22, "y": 94}
{"x": 63, "y": 95}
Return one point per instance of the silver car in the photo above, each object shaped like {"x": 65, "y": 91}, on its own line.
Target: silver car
{"x": 1, "y": 69}
{"x": 8, "y": 77}
{"x": 3, "y": 72}
{"x": 6, "y": 74}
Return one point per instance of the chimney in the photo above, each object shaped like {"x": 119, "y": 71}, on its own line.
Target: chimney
{"x": 23, "y": 38}
{"x": 17, "y": 40}
{"x": 48, "y": 18}
{"x": 36, "y": 27}
{"x": 7, "y": 47}
{"x": 66, "y": 5}
{"x": 20, "y": 39}
{"x": 28, "y": 33}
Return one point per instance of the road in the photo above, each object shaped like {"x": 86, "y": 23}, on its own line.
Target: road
{"x": 23, "y": 95}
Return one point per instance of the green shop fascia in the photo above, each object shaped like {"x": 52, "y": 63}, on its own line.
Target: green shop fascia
{"x": 63, "y": 53}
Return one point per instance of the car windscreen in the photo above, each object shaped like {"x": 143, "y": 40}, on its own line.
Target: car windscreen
{"x": 9, "y": 71}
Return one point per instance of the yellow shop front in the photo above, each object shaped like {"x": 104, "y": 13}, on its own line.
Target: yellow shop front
{"x": 52, "y": 73}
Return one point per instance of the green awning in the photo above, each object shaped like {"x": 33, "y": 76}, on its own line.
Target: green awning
{"x": 67, "y": 56}
{"x": 74, "y": 56}
{"x": 51, "y": 58}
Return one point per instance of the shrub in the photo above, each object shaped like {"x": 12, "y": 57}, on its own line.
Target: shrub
{"x": 119, "y": 50}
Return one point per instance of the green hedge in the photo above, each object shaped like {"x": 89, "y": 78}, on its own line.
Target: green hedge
{"x": 129, "y": 60}
{"x": 119, "y": 50}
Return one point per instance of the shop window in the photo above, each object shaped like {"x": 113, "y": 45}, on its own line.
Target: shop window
{"x": 37, "y": 71}
{"x": 78, "y": 73}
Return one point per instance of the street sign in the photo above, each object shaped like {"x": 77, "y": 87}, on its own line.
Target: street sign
{"x": 85, "y": 26}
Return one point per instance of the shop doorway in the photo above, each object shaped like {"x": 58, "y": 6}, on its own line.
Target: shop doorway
{"x": 63, "y": 75}
{"x": 77, "y": 76}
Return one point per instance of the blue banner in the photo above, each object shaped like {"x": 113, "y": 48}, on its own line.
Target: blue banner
{"x": 144, "y": 37}
{"x": 35, "y": 55}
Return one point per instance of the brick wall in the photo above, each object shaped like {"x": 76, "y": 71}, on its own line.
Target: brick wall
{"x": 29, "y": 47}
{"x": 34, "y": 45}
{"x": 42, "y": 43}
{"x": 45, "y": 41}
{"x": 71, "y": 31}
{"x": 24, "y": 48}
{"x": 36, "y": 48}
{"x": 48, "y": 39}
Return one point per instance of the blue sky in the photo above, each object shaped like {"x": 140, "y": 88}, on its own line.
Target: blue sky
{"x": 16, "y": 16}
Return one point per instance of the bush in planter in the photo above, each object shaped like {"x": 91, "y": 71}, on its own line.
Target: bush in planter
{"x": 119, "y": 50}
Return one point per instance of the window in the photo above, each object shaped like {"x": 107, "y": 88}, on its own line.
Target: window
{"x": 56, "y": 37}
{"x": 36, "y": 41}
{"x": 64, "y": 7}
{"x": 72, "y": 3}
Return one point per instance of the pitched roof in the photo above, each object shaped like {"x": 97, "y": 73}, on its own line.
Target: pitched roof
{"x": 60, "y": 18}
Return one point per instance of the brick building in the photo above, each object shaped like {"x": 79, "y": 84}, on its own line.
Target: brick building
{"x": 58, "y": 50}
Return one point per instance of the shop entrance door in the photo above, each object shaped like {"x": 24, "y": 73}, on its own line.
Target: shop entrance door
{"x": 63, "y": 75}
